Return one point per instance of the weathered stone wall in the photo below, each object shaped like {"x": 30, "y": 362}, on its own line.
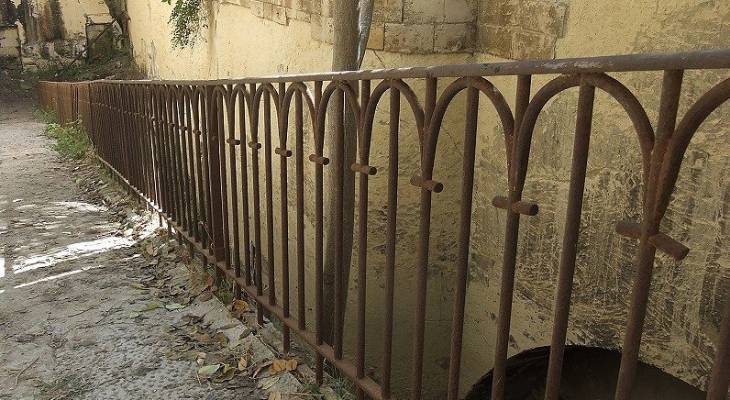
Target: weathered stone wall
{"x": 505, "y": 28}
{"x": 254, "y": 38}
{"x": 9, "y": 46}
{"x": 53, "y": 30}
{"x": 688, "y": 296}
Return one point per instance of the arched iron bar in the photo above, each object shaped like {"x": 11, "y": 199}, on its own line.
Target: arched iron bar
{"x": 396, "y": 88}
{"x": 219, "y": 113}
{"x": 350, "y": 96}
{"x": 366, "y": 130}
{"x": 434, "y": 126}
{"x": 266, "y": 88}
{"x": 474, "y": 86}
{"x": 270, "y": 93}
{"x": 520, "y": 157}
{"x": 678, "y": 143}
{"x": 299, "y": 92}
{"x": 159, "y": 121}
{"x": 339, "y": 150}
{"x": 186, "y": 130}
{"x": 301, "y": 88}
{"x": 173, "y": 149}
{"x": 195, "y": 133}
{"x": 229, "y": 143}
{"x": 242, "y": 99}
{"x": 611, "y": 86}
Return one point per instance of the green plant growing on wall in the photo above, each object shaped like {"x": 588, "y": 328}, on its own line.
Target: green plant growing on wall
{"x": 187, "y": 18}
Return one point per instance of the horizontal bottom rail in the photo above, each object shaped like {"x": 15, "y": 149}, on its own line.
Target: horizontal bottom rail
{"x": 368, "y": 385}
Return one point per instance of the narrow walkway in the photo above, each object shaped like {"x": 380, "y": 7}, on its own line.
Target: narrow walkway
{"x": 86, "y": 310}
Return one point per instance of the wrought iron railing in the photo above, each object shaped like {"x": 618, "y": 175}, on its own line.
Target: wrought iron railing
{"x": 174, "y": 143}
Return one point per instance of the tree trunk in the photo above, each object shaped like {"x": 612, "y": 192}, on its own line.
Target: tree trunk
{"x": 345, "y": 57}
{"x": 118, "y": 11}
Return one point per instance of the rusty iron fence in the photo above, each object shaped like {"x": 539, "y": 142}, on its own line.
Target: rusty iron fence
{"x": 170, "y": 142}
{"x": 69, "y": 101}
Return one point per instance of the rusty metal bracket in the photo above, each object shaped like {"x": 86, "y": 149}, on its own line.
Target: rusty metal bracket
{"x": 363, "y": 169}
{"x": 661, "y": 241}
{"x": 319, "y": 159}
{"x": 430, "y": 185}
{"x": 282, "y": 152}
{"x": 520, "y": 207}
{"x": 233, "y": 142}
{"x": 254, "y": 145}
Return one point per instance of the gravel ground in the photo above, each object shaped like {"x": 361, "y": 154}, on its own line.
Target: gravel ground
{"x": 95, "y": 303}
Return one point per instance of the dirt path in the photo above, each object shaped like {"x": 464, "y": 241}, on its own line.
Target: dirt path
{"x": 85, "y": 312}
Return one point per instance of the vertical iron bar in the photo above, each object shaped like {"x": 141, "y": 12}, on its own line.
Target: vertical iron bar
{"x": 499, "y": 371}
{"x": 299, "y": 159}
{"x": 669, "y": 103}
{"x": 422, "y": 256}
{"x": 256, "y": 204}
{"x": 720, "y": 375}
{"x": 339, "y": 161}
{"x": 390, "y": 239}
{"x": 269, "y": 198}
{"x": 283, "y": 198}
{"x": 224, "y": 115}
{"x": 244, "y": 184}
{"x": 233, "y": 169}
{"x": 364, "y": 148}
{"x": 462, "y": 263}
{"x": 318, "y": 240}
{"x": 569, "y": 252}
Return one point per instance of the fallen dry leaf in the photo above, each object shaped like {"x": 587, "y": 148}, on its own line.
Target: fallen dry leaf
{"x": 281, "y": 365}
{"x": 174, "y": 306}
{"x": 226, "y": 374}
{"x": 221, "y": 339}
{"x": 260, "y": 368}
{"x": 268, "y": 382}
{"x": 208, "y": 370}
{"x": 242, "y": 363}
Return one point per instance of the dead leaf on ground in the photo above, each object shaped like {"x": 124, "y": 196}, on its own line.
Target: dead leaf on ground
{"x": 281, "y": 365}
{"x": 201, "y": 337}
{"x": 221, "y": 339}
{"x": 174, "y": 306}
{"x": 242, "y": 363}
{"x": 226, "y": 374}
{"x": 260, "y": 368}
{"x": 268, "y": 382}
{"x": 275, "y": 395}
{"x": 239, "y": 307}
{"x": 207, "y": 371}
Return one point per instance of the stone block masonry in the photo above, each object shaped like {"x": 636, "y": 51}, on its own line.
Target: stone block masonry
{"x": 516, "y": 29}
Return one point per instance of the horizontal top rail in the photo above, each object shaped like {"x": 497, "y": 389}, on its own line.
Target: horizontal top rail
{"x": 703, "y": 59}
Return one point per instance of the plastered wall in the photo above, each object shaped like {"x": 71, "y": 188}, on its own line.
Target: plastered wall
{"x": 253, "y": 38}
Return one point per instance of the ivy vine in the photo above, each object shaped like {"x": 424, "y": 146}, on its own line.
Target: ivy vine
{"x": 187, "y": 18}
